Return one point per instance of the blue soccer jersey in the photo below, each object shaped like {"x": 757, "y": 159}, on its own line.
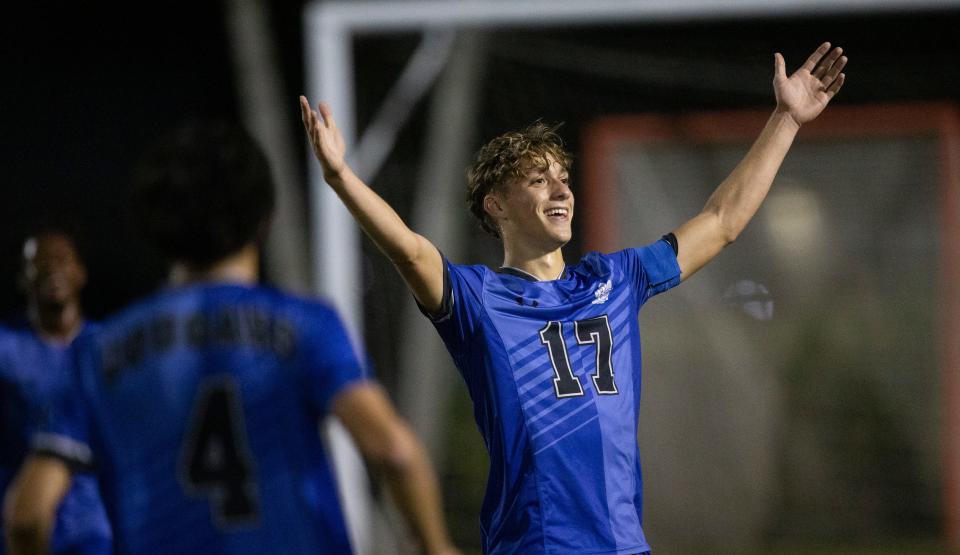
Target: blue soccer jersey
{"x": 553, "y": 369}
{"x": 33, "y": 377}
{"x": 201, "y": 408}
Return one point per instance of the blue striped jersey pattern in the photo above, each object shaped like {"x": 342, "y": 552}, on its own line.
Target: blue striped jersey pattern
{"x": 553, "y": 369}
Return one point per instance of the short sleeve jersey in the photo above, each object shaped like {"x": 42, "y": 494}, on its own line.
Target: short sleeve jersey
{"x": 34, "y": 375}
{"x": 200, "y": 410}
{"x": 553, "y": 369}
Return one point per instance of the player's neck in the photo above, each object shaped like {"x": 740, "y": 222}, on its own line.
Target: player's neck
{"x": 241, "y": 267}
{"x": 58, "y": 324}
{"x": 543, "y": 266}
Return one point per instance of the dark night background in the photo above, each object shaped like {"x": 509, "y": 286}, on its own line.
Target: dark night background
{"x": 87, "y": 87}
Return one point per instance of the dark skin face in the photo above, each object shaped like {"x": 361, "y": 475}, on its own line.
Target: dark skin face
{"x": 53, "y": 274}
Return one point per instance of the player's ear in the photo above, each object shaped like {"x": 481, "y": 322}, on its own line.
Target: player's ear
{"x": 492, "y": 206}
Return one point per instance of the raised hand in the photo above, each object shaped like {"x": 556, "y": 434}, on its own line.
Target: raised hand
{"x": 807, "y": 92}
{"x": 324, "y": 136}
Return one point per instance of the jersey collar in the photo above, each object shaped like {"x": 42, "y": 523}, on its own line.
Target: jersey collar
{"x": 527, "y": 275}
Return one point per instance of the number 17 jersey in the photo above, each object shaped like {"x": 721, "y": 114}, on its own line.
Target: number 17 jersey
{"x": 553, "y": 369}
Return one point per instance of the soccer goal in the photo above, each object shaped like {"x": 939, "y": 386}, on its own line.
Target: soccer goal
{"x": 828, "y": 346}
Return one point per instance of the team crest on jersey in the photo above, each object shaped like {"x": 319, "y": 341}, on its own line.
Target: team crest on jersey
{"x": 602, "y": 293}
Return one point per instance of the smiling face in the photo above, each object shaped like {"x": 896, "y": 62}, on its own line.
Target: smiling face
{"x": 535, "y": 210}
{"x": 510, "y": 165}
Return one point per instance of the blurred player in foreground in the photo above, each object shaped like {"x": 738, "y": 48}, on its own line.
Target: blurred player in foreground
{"x": 551, "y": 353}
{"x": 200, "y": 405}
{"x": 33, "y": 374}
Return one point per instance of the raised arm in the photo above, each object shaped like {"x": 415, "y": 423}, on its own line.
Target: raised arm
{"x": 417, "y": 259}
{"x": 390, "y": 447}
{"x": 800, "y": 98}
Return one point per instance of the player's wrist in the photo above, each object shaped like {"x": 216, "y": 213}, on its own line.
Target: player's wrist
{"x": 336, "y": 177}
{"x": 782, "y": 117}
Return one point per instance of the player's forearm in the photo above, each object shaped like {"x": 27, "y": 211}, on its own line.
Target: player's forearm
{"x": 416, "y": 491}
{"x": 397, "y": 455}
{"x": 416, "y": 259}
{"x": 32, "y": 500}
{"x": 739, "y": 196}
{"x": 28, "y": 540}
{"x": 377, "y": 218}
{"x": 26, "y": 526}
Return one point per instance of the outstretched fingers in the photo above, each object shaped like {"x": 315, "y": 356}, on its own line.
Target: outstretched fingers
{"x": 779, "y": 65}
{"x": 306, "y": 113}
{"x": 327, "y": 114}
{"x": 312, "y": 119}
{"x": 815, "y": 58}
{"x": 835, "y": 86}
{"x": 831, "y": 74}
{"x": 827, "y": 62}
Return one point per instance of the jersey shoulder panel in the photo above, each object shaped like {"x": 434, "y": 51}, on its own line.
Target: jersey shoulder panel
{"x": 467, "y": 281}
{"x": 463, "y": 303}
{"x": 653, "y": 268}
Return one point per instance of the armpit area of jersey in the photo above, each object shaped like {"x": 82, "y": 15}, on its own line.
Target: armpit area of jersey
{"x": 672, "y": 240}
{"x": 75, "y": 454}
{"x": 446, "y": 304}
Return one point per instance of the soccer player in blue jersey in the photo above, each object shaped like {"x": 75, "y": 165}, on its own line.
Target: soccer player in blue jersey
{"x": 201, "y": 404}
{"x": 33, "y": 375}
{"x": 550, "y": 352}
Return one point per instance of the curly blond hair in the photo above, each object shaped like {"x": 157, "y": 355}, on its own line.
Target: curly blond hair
{"x": 509, "y": 157}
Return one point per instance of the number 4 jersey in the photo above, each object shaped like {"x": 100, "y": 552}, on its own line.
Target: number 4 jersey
{"x": 553, "y": 369}
{"x": 200, "y": 409}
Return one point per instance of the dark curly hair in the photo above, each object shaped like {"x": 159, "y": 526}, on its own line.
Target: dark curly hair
{"x": 202, "y": 192}
{"x": 509, "y": 157}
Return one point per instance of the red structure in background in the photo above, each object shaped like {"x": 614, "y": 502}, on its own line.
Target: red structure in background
{"x": 940, "y": 121}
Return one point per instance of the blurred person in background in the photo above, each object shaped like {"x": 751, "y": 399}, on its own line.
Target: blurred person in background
{"x": 199, "y": 406}
{"x": 550, "y": 353}
{"x": 52, "y": 277}
{"x": 33, "y": 374}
